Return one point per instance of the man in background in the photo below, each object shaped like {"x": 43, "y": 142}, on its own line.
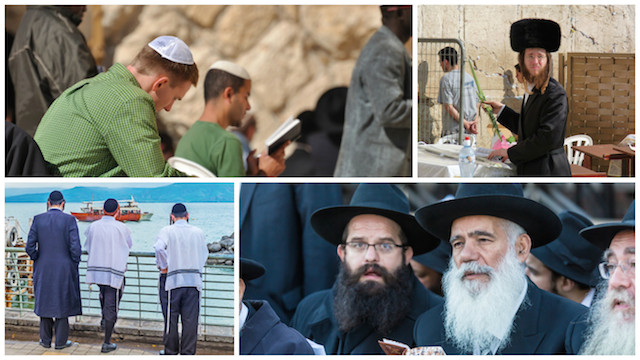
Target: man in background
{"x": 377, "y": 129}
{"x": 49, "y": 54}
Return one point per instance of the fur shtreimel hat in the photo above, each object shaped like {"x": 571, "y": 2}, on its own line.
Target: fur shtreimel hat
{"x": 535, "y": 33}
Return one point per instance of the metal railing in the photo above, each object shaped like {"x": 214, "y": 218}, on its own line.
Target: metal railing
{"x": 140, "y": 296}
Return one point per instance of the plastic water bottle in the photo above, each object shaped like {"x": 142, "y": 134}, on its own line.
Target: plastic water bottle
{"x": 467, "y": 159}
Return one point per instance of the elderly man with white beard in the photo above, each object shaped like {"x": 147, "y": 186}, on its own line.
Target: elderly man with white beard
{"x": 611, "y": 321}
{"x": 490, "y": 307}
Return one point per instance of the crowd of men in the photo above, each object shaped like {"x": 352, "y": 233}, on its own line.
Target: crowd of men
{"x": 54, "y": 246}
{"x": 517, "y": 279}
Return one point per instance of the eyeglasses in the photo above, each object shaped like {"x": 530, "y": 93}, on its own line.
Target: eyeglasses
{"x": 381, "y": 248}
{"x": 607, "y": 269}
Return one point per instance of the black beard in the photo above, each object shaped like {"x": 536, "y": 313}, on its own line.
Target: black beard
{"x": 381, "y": 306}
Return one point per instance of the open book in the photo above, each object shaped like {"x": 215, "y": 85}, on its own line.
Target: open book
{"x": 391, "y": 347}
{"x": 289, "y": 130}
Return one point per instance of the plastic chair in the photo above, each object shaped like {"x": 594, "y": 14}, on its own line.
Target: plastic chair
{"x": 189, "y": 167}
{"x": 576, "y": 157}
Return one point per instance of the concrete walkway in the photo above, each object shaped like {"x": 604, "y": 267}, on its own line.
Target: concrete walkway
{"x": 21, "y": 347}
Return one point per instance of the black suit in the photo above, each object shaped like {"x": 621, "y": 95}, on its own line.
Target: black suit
{"x": 543, "y": 326}
{"x": 541, "y": 128}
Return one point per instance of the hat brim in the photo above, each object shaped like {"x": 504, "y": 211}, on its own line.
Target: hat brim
{"x": 250, "y": 269}
{"x": 555, "y": 263}
{"x": 542, "y": 225}
{"x": 330, "y": 223}
{"x": 601, "y": 235}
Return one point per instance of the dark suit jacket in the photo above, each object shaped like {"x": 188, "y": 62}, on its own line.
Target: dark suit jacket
{"x": 275, "y": 231}
{"x": 314, "y": 319}
{"x": 543, "y": 327}
{"x": 541, "y": 131}
{"x": 54, "y": 247}
{"x": 264, "y": 334}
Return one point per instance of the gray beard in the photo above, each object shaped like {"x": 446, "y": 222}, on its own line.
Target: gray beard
{"x": 477, "y": 314}
{"x": 609, "y": 333}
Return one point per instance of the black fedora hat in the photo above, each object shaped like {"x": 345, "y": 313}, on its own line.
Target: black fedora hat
{"x": 250, "y": 269}
{"x": 602, "y": 234}
{"x": 505, "y": 201}
{"x": 437, "y": 259}
{"x": 378, "y": 199}
{"x": 535, "y": 33}
{"x": 570, "y": 255}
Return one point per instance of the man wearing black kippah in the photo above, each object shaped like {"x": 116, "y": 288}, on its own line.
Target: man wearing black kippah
{"x": 54, "y": 247}
{"x": 108, "y": 243}
{"x": 181, "y": 253}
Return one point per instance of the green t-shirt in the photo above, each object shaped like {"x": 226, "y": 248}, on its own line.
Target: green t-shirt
{"x": 213, "y": 147}
{"x": 103, "y": 126}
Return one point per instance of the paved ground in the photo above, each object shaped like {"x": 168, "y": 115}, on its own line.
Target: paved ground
{"x": 21, "y": 347}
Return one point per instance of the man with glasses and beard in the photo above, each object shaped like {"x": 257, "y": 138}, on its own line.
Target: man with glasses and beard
{"x": 489, "y": 305}
{"x": 376, "y": 295}
{"x": 612, "y": 317}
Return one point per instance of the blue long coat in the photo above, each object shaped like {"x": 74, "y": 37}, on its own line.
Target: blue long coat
{"x": 544, "y": 327}
{"x": 275, "y": 231}
{"x": 54, "y": 247}
{"x": 264, "y": 334}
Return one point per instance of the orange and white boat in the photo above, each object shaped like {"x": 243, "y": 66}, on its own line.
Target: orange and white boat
{"x": 129, "y": 211}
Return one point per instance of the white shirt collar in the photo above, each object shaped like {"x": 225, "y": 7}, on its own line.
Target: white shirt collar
{"x": 244, "y": 313}
{"x": 589, "y": 298}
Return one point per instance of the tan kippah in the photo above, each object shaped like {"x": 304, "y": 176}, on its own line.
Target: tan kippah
{"x": 231, "y": 68}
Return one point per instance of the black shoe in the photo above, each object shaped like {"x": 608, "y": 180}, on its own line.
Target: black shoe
{"x": 108, "y": 348}
{"x": 66, "y": 345}
{"x": 44, "y": 345}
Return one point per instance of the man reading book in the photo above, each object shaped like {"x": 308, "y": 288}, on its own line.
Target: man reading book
{"x": 376, "y": 294}
{"x": 227, "y": 87}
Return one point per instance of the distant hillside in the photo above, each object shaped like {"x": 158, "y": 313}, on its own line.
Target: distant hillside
{"x": 182, "y": 192}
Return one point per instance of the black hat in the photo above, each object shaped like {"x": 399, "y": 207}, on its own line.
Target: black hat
{"x": 570, "y": 255}
{"x": 379, "y": 199}
{"x": 110, "y": 205}
{"x": 535, "y": 33}
{"x": 437, "y": 259}
{"x": 250, "y": 269}
{"x": 55, "y": 197}
{"x": 602, "y": 234}
{"x": 505, "y": 201}
{"x": 179, "y": 210}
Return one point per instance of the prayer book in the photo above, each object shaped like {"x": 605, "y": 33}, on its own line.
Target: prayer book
{"x": 391, "y": 347}
{"x": 289, "y": 130}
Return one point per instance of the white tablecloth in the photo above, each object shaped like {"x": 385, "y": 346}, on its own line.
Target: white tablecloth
{"x": 441, "y": 160}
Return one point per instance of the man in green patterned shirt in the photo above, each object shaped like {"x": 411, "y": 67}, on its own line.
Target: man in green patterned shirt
{"x": 106, "y": 125}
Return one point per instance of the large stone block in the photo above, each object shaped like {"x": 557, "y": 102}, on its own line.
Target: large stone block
{"x": 241, "y": 27}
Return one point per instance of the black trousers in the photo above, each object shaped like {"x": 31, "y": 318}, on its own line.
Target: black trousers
{"x": 163, "y": 295}
{"x": 49, "y": 325}
{"x": 109, "y": 301}
{"x": 184, "y": 302}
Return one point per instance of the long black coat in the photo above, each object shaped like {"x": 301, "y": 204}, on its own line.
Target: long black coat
{"x": 541, "y": 129}
{"x": 544, "y": 327}
{"x": 314, "y": 319}
{"x": 275, "y": 230}
{"x": 264, "y": 334}
{"x": 54, "y": 247}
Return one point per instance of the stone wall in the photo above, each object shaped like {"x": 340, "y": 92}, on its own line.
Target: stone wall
{"x": 293, "y": 53}
{"x": 484, "y": 31}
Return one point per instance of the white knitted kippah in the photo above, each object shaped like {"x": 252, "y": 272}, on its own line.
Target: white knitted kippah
{"x": 173, "y": 49}
{"x": 231, "y": 68}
